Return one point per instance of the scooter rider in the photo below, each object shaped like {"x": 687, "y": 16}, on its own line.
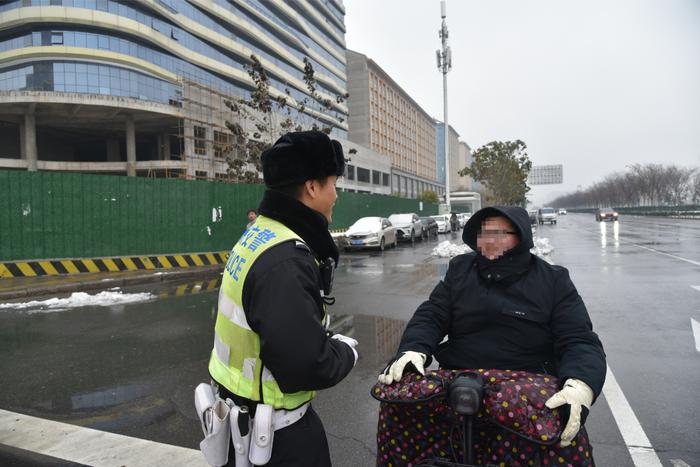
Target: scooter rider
{"x": 504, "y": 308}
{"x": 272, "y": 349}
{"x": 454, "y": 222}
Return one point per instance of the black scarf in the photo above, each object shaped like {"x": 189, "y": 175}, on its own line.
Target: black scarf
{"x": 309, "y": 224}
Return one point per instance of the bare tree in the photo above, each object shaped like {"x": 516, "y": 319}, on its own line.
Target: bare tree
{"x": 266, "y": 115}
{"x": 695, "y": 189}
{"x": 640, "y": 185}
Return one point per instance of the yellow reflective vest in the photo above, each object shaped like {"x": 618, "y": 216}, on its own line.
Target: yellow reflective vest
{"x": 235, "y": 360}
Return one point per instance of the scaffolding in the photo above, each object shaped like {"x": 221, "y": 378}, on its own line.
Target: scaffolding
{"x": 201, "y": 138}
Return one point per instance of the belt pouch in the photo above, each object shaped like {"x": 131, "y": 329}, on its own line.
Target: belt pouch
{"x": 262, "y": 436}
{"x": 240, "y": 434}
{"x": 216, "y": 443}
{"x": 204, "y": 399}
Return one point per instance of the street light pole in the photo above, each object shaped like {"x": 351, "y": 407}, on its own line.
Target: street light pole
{"x": 444, "y": 63}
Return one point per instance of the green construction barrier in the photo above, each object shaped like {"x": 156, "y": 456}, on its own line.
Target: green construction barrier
{"x": 46, "y": 215}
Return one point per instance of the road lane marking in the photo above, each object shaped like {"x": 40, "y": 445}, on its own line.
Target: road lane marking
{"x": 696, "y": 287}
{"x": 663, "y": 253}
{"x": 678, "y": 463}
{"x": 696, "y": 263}
{"x": 638, "y": 445}
{"x": 696, "y": 333}
{"x": 88, "y": 446}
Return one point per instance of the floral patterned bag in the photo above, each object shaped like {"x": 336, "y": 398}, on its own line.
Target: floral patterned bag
{"x": 512, "y": 428}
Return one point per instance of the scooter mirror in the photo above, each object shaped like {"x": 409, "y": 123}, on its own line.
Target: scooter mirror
{"x": 466, "y": 393}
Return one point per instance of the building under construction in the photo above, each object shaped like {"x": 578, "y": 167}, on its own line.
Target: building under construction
{"x": 139, "y": 87}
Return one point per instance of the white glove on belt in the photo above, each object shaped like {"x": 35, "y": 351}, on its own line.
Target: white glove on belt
{"x": 349, "y": 341}
{"x": 394, "y": 372}
{"x": 576, "y": 393}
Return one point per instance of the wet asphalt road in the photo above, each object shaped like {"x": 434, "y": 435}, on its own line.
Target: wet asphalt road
{"x": 131, "y": 369}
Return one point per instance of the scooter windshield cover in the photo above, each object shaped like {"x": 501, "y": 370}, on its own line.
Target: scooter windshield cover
{"x": 513, "y": 425}
{"x": 512, "y": 399}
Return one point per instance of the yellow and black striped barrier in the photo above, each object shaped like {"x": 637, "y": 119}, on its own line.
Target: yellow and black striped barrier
{"x": 192, "y": 288}
{"x": 11, "y": 269}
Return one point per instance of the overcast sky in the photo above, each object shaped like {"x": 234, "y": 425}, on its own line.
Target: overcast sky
{"x": 594, "y": 85}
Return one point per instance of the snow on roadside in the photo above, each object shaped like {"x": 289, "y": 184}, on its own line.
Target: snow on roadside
{"x": 542, "y": 247}
{"x": 448, "y": 249}
{"x": 78, "y": 299}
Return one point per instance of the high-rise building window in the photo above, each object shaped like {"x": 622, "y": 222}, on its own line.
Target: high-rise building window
{"x": 222, "y": 144}
{"x": 350, "y": 172}
{"x": 362, "y": 175}
{"x": 200, "y": 140}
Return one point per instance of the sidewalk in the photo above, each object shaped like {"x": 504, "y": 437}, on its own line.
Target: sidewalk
{"x": 25, "y": 287}
{"x": 29, "y": 440}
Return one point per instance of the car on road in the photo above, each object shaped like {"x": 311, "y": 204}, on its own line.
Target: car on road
{"x": 546, "y": 215}
{"x": 463, "y": 218}
{"x": 606, "y": 214}
{"x": 408, "y": 226}
{"x": 562, "y": 212}
{"x": 443, "y": 222}
{"x": 430, "y": 227}
{"x": 370, "y": 232}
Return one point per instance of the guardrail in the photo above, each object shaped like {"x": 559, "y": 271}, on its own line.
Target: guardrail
{"x": 682, "y": 212}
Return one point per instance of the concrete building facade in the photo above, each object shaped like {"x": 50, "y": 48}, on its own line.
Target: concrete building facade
{"x": 130, "y": 87}
{"x": 464, "y": 159}
{"x": 367, "y": 171}
{"x": 384, "y": 118}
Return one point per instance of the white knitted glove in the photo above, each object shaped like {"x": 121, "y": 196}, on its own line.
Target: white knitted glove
{"x": 576, "y": 393}
{"x": 394, "y": 372}
{"x": 349, "y": 341}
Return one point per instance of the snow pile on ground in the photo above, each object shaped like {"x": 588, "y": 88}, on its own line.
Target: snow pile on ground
{"x": 448, "y": 249}
{"x": 542, "y": 247}
{"x": 78, "y": 299}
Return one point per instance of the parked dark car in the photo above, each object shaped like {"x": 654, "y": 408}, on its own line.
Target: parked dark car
{"x": 606, "y": 214}
{"x": 430, "y": 227}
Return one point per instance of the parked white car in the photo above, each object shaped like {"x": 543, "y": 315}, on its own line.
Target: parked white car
{"x": 443, "y": 222}
{"x": 371, "y": 232}
{"x": 408, "y": 226}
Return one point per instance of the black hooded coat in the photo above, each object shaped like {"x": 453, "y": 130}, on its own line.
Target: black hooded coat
{"x": 517, "y": 312}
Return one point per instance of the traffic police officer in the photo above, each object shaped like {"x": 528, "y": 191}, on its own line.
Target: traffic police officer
{"x": 271, "y": 341}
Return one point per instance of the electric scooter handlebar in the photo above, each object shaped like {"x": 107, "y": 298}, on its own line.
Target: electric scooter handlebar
{"x": 464, "y": 395}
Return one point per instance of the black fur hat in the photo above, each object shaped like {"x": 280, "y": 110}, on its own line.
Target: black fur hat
{"x": 300, "y": 156}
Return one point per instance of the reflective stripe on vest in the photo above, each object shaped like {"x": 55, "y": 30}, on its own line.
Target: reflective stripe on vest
{"x": 235, "y": 359}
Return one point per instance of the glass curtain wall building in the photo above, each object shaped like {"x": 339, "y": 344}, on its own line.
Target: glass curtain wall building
{"x": 139, "y": 86}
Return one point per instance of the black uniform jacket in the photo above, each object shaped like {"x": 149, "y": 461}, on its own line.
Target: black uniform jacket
{"x": 283, "y": 303}
{"x": 516, "y": 312}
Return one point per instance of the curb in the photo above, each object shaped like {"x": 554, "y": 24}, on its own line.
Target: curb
{"x": 108, "y": 283}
